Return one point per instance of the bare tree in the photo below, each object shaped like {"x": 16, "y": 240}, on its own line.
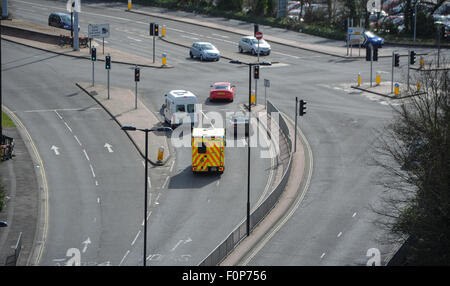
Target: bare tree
{"x": 414, "y": 153}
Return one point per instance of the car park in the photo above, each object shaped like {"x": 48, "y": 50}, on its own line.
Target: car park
{"x": 222, "y": 90}
{"x": 204, "y": 51}
{"x": 61, "y": 20}
{"x": 250, "y": 44}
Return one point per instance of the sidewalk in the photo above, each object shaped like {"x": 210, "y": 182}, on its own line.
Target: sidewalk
{"x": 121, "y": 107}
{"x": 46, "y": 38}
{"x": 21, "y": 210}
{"x": 317, "y": 48}
{"x": 384, "y": 89}
{"x": 291, "y": 197}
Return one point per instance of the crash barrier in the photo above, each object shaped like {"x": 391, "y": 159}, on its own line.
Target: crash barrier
{"x": 12, "y": 259}
{"x": 68, "y": 40}
{"x": 6, "y": 147}
{"x": 240, "y": 232}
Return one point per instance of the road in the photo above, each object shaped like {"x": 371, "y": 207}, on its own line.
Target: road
{"x": 333, "y": 225}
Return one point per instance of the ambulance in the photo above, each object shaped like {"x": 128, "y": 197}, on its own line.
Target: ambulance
{"x": 208, "y": 150}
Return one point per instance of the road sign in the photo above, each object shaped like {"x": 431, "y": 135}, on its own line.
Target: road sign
{"x": 373, "y": 6}
{"x": 266, "y": 83}
{"x": 258, "y": 35}
{"x": 98, "y": 31}
{"x": 73, "y": 6}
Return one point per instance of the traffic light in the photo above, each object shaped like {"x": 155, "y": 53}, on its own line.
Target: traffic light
{"x": 108, "y": 62}
{"x": 137, "y": 74}
{"x": 256, "y": 29}
{"x": 93, "y": 54}
{"x": 256, "y": 72}
{"x": 302, "y": 107}
{"x": 154, "y": 29}
{"x": 368, "y": 54}
{"x": 396, "y": 60}
{"x": 375, "y": 54}
{"x": 412, "y": 57}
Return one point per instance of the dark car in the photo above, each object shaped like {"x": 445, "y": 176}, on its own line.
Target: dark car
{"x": 60, "y": 20}
{"x": 239, "y": 122}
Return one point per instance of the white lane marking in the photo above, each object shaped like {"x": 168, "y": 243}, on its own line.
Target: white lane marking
{"x": 135, "y": 238}
{"x": 96, "y": 182}
{"x": 222, "y": 36}
{"x": 109, "y": 147}
{"x": 149, "y": 182}
{"x": 92, "y": 170}
{"x": 354, "y": 214}
{"x": 192, "y": 38}
{"x": 339, "y": 234}
{"x": 149, "y": 213}
{"x": 76, "y": 138}
{"x": 68, "y": 127}
{"x": 98, "y": 200}
{"x": 86, "y": 243}
{"x": 165, "y": 182}
{"x": 157, "y": 198}
{"x": 323, "y": 254}
{"x": 123, "y": 258}
{"x": 171, "y": 166}
{"x": 217, "y": 184}
{"x": 134, "y": 39}
{"x": 176, "y": 245}
{"x": 287, "y": 55}
{"x": 143, "y": 164}
{"x": 55, "y": 149}
{"x": 60, "y": 117}
{"x": 85, "y": 154}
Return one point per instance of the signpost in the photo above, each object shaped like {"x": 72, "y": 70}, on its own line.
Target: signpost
{"x": 74, "y": 6}
{"x": 258, "y": 36}
{"x": 99, "y": 31}
{"x": 355, "y": 36}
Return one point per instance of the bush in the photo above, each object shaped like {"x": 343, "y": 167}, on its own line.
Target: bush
{"x": 2, "y": 197}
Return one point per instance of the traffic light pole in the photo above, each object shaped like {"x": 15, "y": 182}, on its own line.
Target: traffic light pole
{"x": 392, "y": 74}
{"x": 409, "y": 62}
{"x": 296, "y": 115}
{"x": 153, "y": 49}
{"x": 135, "y": 98}
{"x": 93, "y": 81}
{"x": 108, "y": 84}
{"x": 371, "y": 63}
{"x": 248, "y": 144}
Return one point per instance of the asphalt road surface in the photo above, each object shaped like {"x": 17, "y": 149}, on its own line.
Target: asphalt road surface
{"x": 333, "y": 225}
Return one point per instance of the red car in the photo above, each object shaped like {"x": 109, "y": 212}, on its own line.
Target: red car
{"x": 222, "y": 90}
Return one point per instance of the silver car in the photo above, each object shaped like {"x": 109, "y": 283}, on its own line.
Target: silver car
{"x": 250, "y": 44}
{"x": 204, "y": 51}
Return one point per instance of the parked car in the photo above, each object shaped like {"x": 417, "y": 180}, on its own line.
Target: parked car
{"x": 60, "y": 20}
{"x": 375, "y": 40}
{"x": 222, "y": 90}
{"x": 204, "y": 51}
{"x": 250, "y": 44}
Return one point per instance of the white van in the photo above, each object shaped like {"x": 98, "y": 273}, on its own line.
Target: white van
{"x": 179, "y": 105}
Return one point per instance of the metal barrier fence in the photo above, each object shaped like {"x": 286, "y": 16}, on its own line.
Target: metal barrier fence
{"x": 12, "y": 259}
{"x": 6, "y": 147}
{"x": 67, "y": 40}
{"x": 238, "y": 234}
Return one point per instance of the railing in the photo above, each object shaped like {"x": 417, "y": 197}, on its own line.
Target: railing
{"x": 240, "y": 232}
{"x": 12, "y": 259}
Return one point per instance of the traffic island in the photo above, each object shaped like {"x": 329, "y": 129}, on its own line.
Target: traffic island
{"x": 121, "y": 106}
{"x": 51, "y": 39}
{"x": 385, "y": 89}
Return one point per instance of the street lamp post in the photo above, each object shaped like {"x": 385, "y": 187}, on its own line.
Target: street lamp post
{"x": 146, "y": 130}
{"x": 250, "y": 65}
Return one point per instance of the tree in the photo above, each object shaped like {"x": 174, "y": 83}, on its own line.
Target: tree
{"x": 414, "y": 153}
{"x": 231, "y": 5}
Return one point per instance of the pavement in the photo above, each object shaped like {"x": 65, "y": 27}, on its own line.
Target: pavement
{"x": 289, "y": 199}
{"x": 121, "y": 107}
{"x": 45, "y": 38}
{"x": 384, "y": 89}
{"x": 18, "y": 176}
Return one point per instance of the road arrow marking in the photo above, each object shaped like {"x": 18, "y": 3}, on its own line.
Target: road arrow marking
{"x": 54, "y": 148}
{"x": 86, "y": 243}
{"x": 109, "y": 147}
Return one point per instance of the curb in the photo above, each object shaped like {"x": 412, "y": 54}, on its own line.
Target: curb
{"x": 385, "y": 95}
{"x": 129, "y": 136}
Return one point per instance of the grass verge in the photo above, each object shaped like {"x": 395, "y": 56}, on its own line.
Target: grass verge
{"x": 6, "y": 121}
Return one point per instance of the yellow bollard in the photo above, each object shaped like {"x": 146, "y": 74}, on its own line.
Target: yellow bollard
{"x": 164, "y": 59}
{"x": 396, "y": 89}
{"x": 163, "y": 31}
{"x": 418, "y": 86}
{"x": 129, "y": 4}
{"x": 359, "y": 79}
{"x": 422, "y": 62}
{"x": 160, "y": 154}
{"x": 378, "y": 78}
{"x": 252, "y": 99}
